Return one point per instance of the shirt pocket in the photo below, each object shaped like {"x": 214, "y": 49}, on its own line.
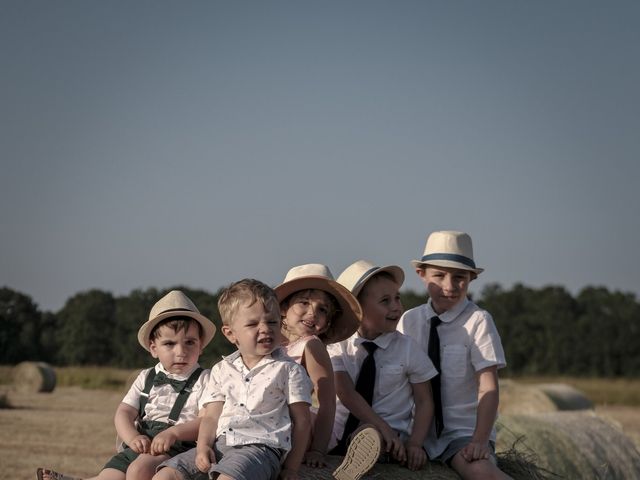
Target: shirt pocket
{"x": 455, "y": 360}
{"x": 392, "y": 378}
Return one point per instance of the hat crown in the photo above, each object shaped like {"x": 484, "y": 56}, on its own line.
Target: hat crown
{"x": 174, "y": 300}
{"x": 355, "y": 273}
{"x": 308, "y": 270}
{"x": 449, "y": 242}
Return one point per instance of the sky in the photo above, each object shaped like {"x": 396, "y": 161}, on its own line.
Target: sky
{"x": 155, "y": 143}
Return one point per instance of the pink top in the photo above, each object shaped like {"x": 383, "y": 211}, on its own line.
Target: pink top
{"x": 296, "y": 349}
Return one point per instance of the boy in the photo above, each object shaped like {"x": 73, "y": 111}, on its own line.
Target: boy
{"x": 257, "y": 404}
{"x": 465, "y": 347}
{"x": 395, "y": 370}
{"x": 158, "y": 416}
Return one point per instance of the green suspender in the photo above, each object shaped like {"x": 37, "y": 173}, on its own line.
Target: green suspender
{"x": 182, "y": 397}
{"x": 180, "y": 401}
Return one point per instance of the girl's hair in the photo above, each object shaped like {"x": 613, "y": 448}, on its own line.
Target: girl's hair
{"x": 386, "y": 275}
{"x": 246, "y": 292}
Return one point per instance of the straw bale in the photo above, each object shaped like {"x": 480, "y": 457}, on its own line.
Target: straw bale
{"x": 566, "y": 397}
{"x": 34, "y": 377}
{"x": 571, "y": 444}
{"x": 516, "y": 398}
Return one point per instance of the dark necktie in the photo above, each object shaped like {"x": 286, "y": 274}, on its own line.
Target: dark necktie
{"x": 434, "y": 355}
{"x": 162, "y": 379}
{"x": 364, "y": 386}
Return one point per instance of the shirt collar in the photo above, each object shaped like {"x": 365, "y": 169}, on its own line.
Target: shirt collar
{"x": 382, "y": 341}
{"x": 235, "y": 359}
{"x": 160, "y": 368}
{"x": 450, "y": 315}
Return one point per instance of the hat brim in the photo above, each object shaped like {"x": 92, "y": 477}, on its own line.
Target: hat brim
{"x": 208, "y": 328}
{"x": 343, "y": 326}
{"x": 447, "y": 264}
{"x": 396, "y": 272}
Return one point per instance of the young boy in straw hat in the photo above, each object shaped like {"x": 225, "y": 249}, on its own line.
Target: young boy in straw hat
{"x": 316, "y": 311}
{"x": 464, "y": 345}
{"x": 382, "y": 379}
{"x": 256, "y": 414}
{"x": 158, "y": 417}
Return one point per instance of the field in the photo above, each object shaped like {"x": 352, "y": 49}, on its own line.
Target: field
{"x": 71, "y": 429}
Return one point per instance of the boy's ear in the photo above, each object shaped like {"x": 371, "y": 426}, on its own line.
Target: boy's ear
{"x": 227, "y": 332}
{"x": 153, "y": 349}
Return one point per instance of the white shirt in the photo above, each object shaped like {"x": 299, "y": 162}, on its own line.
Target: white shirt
{"x": 469, "y": 342}
{"x": 399, "y": 363}
{"x": 162, "y": 397}
{"x": 256, "y": 401}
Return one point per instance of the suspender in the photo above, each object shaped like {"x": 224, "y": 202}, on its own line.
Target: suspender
{"x": 180, "y": 401}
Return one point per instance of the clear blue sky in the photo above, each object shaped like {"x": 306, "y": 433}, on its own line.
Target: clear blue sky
{"x": 159, "y": 143}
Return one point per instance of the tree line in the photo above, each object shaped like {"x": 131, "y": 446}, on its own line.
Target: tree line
{"x": 544, "y": 331}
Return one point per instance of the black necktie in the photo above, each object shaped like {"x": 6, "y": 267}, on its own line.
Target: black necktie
{"x": 162, "y": 379}
{"x": 434, "y": 355}
{"x": 364, "y": 386}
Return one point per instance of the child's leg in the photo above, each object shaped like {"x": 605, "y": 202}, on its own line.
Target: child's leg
{"x": 106, "y": 474}
{"x": 144, "y": 467}
{"x": 168, "y": 473}
{"x": 478, "y": 469}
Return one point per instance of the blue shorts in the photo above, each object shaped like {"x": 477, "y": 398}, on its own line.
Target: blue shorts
{"x": 458, "y": 444}
{"x": 254, "y": 461}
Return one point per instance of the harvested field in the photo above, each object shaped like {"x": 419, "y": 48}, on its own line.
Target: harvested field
{"x": 71, "y": 429}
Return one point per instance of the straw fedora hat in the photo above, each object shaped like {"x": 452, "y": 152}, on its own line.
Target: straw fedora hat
{"x": 318, "y": 277}
{"x": 356, "y": 275}
{"x": 449, "y": 249}
{"x": 175, "y": 304}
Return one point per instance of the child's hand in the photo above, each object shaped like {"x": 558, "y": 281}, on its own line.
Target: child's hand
{"x": 315, "y": 459}
{"x": 393, "y": 445}
{"x": 140, "y": 444}
{"x": 476, "y": 451}
{"x": 416, "y": 456}
{"x": 162, "y": 442}
{"x": 288, "y": 474}
{"x": 204, "y": 458}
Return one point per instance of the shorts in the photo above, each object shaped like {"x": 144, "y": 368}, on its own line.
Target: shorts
{"x": 254, "y": 461}
{"x": 458, "y": 444}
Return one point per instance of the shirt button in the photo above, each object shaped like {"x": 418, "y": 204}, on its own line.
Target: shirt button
{"x": 242, "y": 404}
{"x": 231, "y": 429}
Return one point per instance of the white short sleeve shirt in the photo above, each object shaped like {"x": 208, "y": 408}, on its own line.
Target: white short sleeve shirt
{"x": 399, "y": 363}
{"x": 162, "y": 397}
{"x": 256, "y": 401}
{"x": 469, "y": 342}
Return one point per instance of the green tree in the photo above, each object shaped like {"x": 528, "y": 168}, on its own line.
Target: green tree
{"x": 20, "y": 322}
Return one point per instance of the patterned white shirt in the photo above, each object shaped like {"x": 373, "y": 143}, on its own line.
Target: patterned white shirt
{"x": 256, "y": 401}
{"x": 469, "y": 342}
{"x": 162, "y": 397}
{"x": 399, "y": 363}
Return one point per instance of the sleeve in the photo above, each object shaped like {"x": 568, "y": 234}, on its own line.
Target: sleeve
{"x": 335, "y": 354}
{"x": 132, "y": 398}
{"x": 299, "y": 386}
{"x": 201, "y": 387}
{"x": 420, "y": 365}
{"x": 214, "y": 391}
{"x": 486, "y": 350}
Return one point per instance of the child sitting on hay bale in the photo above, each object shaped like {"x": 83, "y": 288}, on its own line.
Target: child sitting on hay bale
{"x": 382, "y": 379}
{"x": 316, "y": 311}
{"x": 158, "y": 417}
{"x": 463, "y": 343}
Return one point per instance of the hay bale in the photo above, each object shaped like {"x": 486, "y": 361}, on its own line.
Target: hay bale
{"x": 566, "y": 397}
{"x": 571, "y": 444}
{"x": 34, "y": 377}
{"x": 516, "y": 398}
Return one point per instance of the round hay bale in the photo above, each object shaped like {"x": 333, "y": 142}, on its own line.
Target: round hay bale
{"x": 571, "y": 444}
{"x": 34, "y": 377}
{"x": 566, "y": 397}
{"x": 518, "y": 398}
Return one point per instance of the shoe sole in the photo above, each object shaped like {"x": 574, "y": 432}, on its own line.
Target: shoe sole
{"x": 362, "y": 454}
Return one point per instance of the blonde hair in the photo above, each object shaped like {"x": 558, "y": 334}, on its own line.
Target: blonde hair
{"x": 246, "y": 292}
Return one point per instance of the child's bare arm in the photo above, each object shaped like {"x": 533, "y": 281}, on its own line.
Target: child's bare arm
{"x": 318, "y": 365}
{"x": 358, "y": 406}
{"x": 488, "y": 398}
{"x": 423, "y": 399}
{"x": 187, "y": 431}
{"x": 124, "y": 421}
{"x": 207, "y": 435}
{"x": 300, "y": 419}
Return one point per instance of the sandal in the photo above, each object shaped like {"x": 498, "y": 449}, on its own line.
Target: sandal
{"x": 53, "y": 475}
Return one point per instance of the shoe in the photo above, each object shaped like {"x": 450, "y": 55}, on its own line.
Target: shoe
{"x": 362, "y": 454}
